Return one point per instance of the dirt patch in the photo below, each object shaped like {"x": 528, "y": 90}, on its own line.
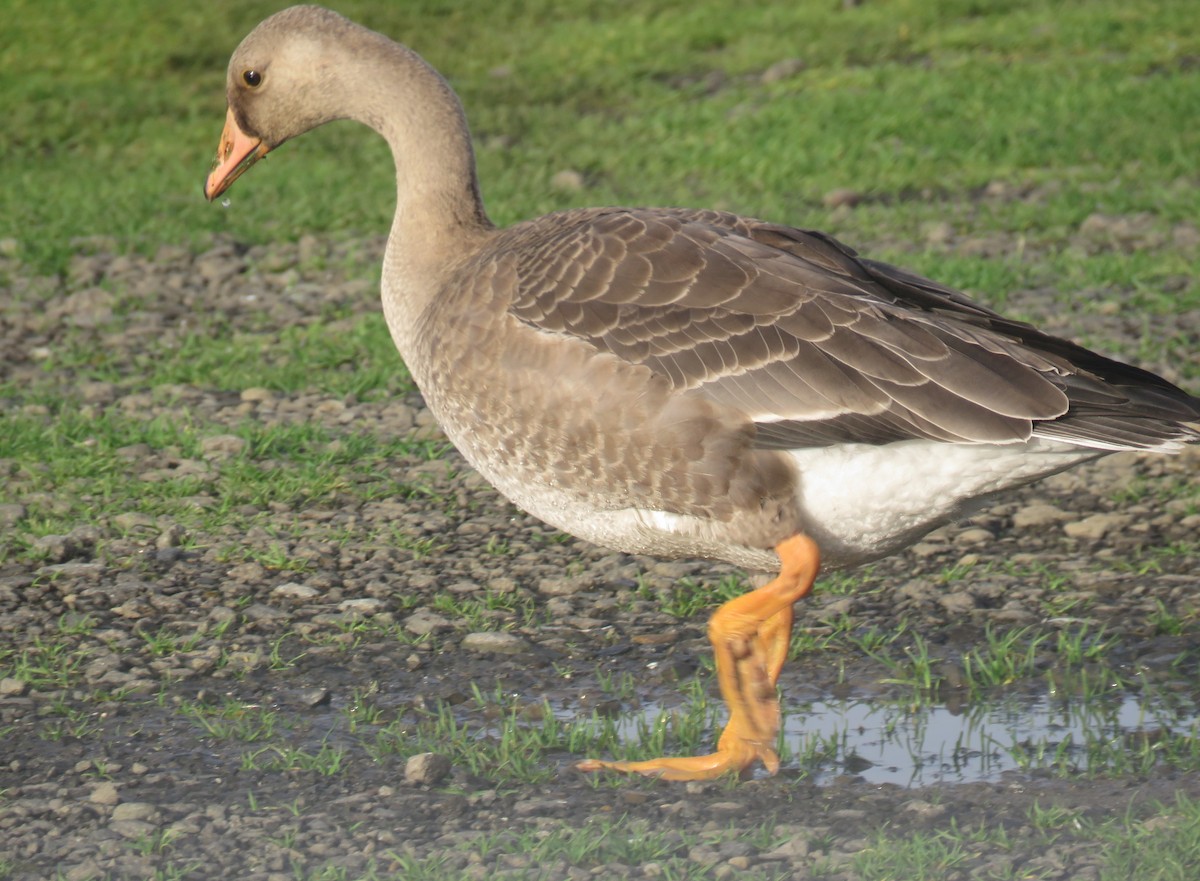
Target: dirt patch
{"x": 157, "y": 680}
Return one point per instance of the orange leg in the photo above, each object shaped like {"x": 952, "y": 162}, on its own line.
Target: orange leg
{"x": 750, "y": 637}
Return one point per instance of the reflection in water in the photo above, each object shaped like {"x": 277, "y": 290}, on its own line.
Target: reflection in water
{"x": 922, "y": 745}
{"x": 890, "y": 743}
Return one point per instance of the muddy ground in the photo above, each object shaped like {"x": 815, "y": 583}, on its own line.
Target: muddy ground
{"x": 103, "y": 774}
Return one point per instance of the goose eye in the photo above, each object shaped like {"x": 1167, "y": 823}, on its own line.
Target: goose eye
{"x": 252, "y": 78}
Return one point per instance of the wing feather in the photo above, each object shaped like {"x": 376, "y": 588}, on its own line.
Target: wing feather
{"x": 815, "y": 344}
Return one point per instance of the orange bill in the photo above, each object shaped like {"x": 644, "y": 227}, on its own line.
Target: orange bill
{"x": 235, "y": 154}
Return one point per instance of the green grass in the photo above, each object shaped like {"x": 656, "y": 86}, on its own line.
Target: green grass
{"x": 1166, "y": 849}
{"x": 917, "y": 105}
{"x": 897, "y": 100}
{"x": 546, "y": 853}
{"x": 83, "y": 468}
{"x": 232, "y": 720}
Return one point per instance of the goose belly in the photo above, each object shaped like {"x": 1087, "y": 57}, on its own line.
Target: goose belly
{"x": 861, "y": 502}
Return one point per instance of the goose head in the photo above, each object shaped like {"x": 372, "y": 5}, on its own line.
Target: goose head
{"x": 285, "y": 78}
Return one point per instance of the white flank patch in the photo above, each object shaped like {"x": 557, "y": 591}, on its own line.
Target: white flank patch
{"x": 863, "y": 501}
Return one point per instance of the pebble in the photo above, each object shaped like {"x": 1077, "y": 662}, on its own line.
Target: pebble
{"x": 134, "y": 521}
{"x": 362, "y": 606}
{"x": 1097, "y": 526}
{"x": 924, "y": 809}
{"x": 11, "y": 514}
{"x": 222, "y": 446}
{"x": 842, "y": 197}
{"x": 135, "y": 810}
{"x": 558, "y": 587}
{"x": 568, "y": 180}
{"x": 423, "y": 622}
{"x": 261, "y": 613}
{"x": 976, "y": 535}
{"x": 793, "y": 848}
{"x": 293, "y": 591}
{"x": 1033, "y": 516}
{"x": 104, "y": 793}
{"x": 314, "y": 697}
{"x": 426, "y": 769}
{"x": 783, "y": 69}
{"x": 494, "y": 642}
{"x": 132, "y": 829}
{"x": 958, "y": 603}
{"x": 88, "y": 870}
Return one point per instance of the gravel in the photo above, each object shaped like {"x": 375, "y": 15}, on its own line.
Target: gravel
{"x": 128, "y": 785}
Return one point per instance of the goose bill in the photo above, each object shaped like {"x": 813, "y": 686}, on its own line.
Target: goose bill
{"x": 235, "y": 154}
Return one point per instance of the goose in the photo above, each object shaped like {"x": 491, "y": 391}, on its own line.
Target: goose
{"x": 689, "y": 383}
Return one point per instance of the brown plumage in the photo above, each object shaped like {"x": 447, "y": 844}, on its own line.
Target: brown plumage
{"x": 685, "y": 382}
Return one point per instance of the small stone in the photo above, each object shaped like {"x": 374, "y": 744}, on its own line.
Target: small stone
{"x": 837, "y": 608}
{"x": 85, "y": 871}
{"x": 1096, "y": 527}
{"x": 73, "y": 570}
{"x": 362, "y": 606}
{"x": 220, "y": 447}
{"x": 842, "y": 197}
{"x": 171, "y": 537}
{"x": 135, "y": 810}
{"x": 958, "y": 603}
{"x": 55, "y": 548}
{"x": 939, "y": 233}
{"x": 133, "y": 452}
{"x": 997, "y": 189}
{"x": 782, "y": 70}
{"x": 11, "y": 515}
{"x": 101, "y": 666}
{"x": 423, "y": 621}
{"x": 1033, "y": 516}
{"x": 426, "y": 769}
{"x": 261, "y": 613}
{"x": 794, "y": 848}
{"x": 493, "y": 642}
{"x": 104, "y": 793}
{"x": 134, "y": 521}
{"x": 222, "y": 615}
{"x": 295, "y": 591}
{"x": 924, "y": 809}
{"x": 314, "y": 697}
{"x": 98, "y": 392}
{"x": 559, "y": 587}
{"x": 132, "y": 829}
{"x": 10, "y": 687}
{"x": 924, "y": 549}
{"x": 248, "y": 573}
{"x": 244, "y": 661}
{"x": 974, "y": 536}
{"x": 726, "y": 807}
{"x": 544, "y": 806}
{"x": 568, "y": 180}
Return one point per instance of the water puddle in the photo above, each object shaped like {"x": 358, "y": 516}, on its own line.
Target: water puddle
{"x": 934, "y": 744}
{"x": 914, "y": 746}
